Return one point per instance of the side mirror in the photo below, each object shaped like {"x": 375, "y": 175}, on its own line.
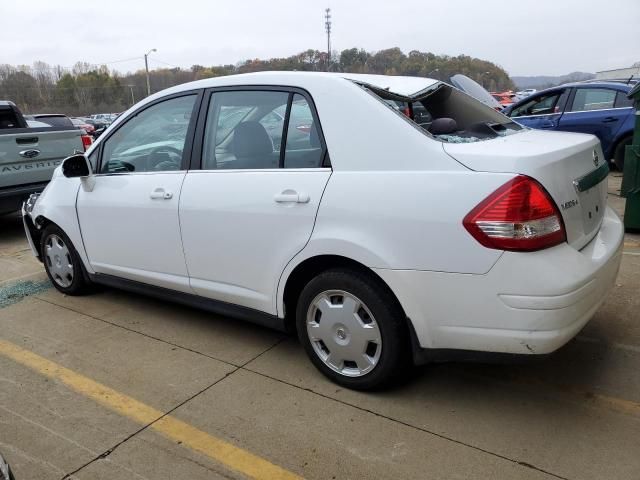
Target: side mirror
{"x": 76, "y": 166}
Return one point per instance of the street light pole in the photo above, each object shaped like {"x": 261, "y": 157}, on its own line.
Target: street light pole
{"x": 146, "y": 67}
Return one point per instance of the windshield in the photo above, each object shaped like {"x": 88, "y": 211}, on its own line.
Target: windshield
{"x": 55, "y": 120}
{"x": 449, "y": 115}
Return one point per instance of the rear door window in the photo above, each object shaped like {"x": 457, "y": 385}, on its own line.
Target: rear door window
{"x": 587, "y": 99}
{"x": 244, "y": 129}
{"x": 303, "y": 140}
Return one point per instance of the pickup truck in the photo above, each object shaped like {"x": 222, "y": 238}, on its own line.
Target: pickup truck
{"x": 28, "y": 156}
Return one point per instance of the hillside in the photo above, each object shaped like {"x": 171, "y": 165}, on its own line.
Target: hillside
{"x": 544, "y": 81}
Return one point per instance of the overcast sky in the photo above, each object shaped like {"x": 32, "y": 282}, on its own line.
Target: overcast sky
{"x": 526, "y": 37}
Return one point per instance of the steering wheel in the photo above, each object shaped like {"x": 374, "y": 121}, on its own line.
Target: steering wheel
{"x": 166, "y": 164}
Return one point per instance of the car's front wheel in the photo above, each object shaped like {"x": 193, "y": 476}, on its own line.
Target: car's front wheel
{"x": 62, "y": 262}
{"x": 353, "y": 329}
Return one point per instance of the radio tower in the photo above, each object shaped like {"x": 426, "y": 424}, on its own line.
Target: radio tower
{"x": 327, "y": 27}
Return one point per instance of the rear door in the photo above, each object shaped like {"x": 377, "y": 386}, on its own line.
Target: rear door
{"x": 129, "y": 221}
{"x": 250, "y": 204}
{"x": 542, "y": 111}
{"x": 593, "y": 110}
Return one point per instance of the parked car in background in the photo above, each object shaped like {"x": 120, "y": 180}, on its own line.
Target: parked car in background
{"x": 522, "y": 94}
{"x": 506, "y": 99}
{"x": 600, "y": 108}
{"x": 30, "y": 150}
{"x": 83, "y": 125}
{"x": 377, "y": 239}
{"x": 53, "y": 119}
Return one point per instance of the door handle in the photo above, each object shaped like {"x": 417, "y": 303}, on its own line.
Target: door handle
{"x": 609, "y": 120}
{"x": 291, "y": 196}
{"x": 160, "y": 193}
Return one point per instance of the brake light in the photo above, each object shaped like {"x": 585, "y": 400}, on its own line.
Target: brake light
{"x": 86, "y": 141}
{"x": 518, "y": 216}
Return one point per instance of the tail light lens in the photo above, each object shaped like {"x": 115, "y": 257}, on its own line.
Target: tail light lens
{"x": 86, "y": 141}
{"x": 518, "y": 216}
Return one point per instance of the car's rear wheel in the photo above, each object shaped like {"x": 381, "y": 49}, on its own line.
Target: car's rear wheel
{"x": 353, "y": 329}
{"x": 618, "y": 155}
{"x": 62, "y": 262}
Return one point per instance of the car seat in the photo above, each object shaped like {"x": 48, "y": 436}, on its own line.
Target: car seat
{"x": 252, "y": 147}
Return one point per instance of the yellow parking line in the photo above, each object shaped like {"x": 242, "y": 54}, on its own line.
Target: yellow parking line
{"x": 219, "y": 450}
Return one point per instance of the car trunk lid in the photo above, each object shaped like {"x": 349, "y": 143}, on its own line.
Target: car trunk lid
{"x": 571, "y": 167}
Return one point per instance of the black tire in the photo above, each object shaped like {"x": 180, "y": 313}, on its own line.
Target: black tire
{"x": 618, "y": 155}
{"x": 76, "y": 282}
{"x": 393, "y": 361}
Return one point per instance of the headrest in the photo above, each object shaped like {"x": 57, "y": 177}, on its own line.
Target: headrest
{"x": 443, "y": 126}
{"x": 250, "y": 139}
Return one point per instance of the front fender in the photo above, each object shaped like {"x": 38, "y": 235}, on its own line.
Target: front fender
{"x": 57, "y": 204}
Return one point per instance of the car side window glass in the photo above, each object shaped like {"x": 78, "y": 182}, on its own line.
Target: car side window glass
{"x": 593, "y": 99}
{"x": 151, "y": 141}
{"x": 244, "y": 130}
{"x": 93, "y": 159}
{"x": 303, "y": 149}
{"x": 542, "y": 105}
{"x": 622, "y": 101}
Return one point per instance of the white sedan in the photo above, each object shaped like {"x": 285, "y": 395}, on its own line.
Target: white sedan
{"x": 381, "y": 241}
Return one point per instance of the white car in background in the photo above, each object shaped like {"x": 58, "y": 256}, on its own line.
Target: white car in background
{"x": 380, "y": 241}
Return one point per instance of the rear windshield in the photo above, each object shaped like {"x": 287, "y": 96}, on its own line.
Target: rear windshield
{"x": 8, "y": 119}
{"x": 56, "y": 121}
{"x": 449, "y": 115}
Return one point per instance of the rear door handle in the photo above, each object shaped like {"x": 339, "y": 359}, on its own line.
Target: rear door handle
{"x": 609, "y": 120}
{"x": 291, "y": 196}
{"x": 160, "y": 193}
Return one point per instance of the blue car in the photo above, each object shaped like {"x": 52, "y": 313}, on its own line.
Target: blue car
{"x": 600, "y": 108}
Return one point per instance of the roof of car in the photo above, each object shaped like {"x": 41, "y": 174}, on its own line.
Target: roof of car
{"x": 590, "y": 83}
{"x": 398, "y": 84}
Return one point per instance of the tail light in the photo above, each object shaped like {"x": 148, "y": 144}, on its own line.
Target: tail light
{"x": 518, "y": 216}
{"x": 86, "y": 141}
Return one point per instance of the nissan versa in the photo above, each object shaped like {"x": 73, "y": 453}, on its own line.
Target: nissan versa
{"x": 379, "y": 239}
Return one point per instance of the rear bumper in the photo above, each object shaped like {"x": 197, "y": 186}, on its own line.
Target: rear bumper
{"x": 527, "y": 303}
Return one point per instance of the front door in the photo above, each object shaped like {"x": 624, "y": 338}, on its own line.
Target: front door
{"x": 129, "y": 220}
{"x": 541, "y": 111}
{"x": 252, "y": 206}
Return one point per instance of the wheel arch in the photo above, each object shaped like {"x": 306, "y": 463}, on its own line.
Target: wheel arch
{"x": 310, "y": 267}
{"x": 616, "y": 143}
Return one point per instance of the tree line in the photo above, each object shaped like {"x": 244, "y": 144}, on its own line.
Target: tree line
{"x": 86, "y": 89}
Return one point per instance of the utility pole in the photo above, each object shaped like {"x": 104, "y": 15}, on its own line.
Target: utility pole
{"x": 146, "y": 67}
{"x": 327, "y": 27}
{"x": 133, "y": 99}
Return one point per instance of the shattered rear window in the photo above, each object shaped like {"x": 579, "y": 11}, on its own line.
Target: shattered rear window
{"x": 449, "y": 115}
